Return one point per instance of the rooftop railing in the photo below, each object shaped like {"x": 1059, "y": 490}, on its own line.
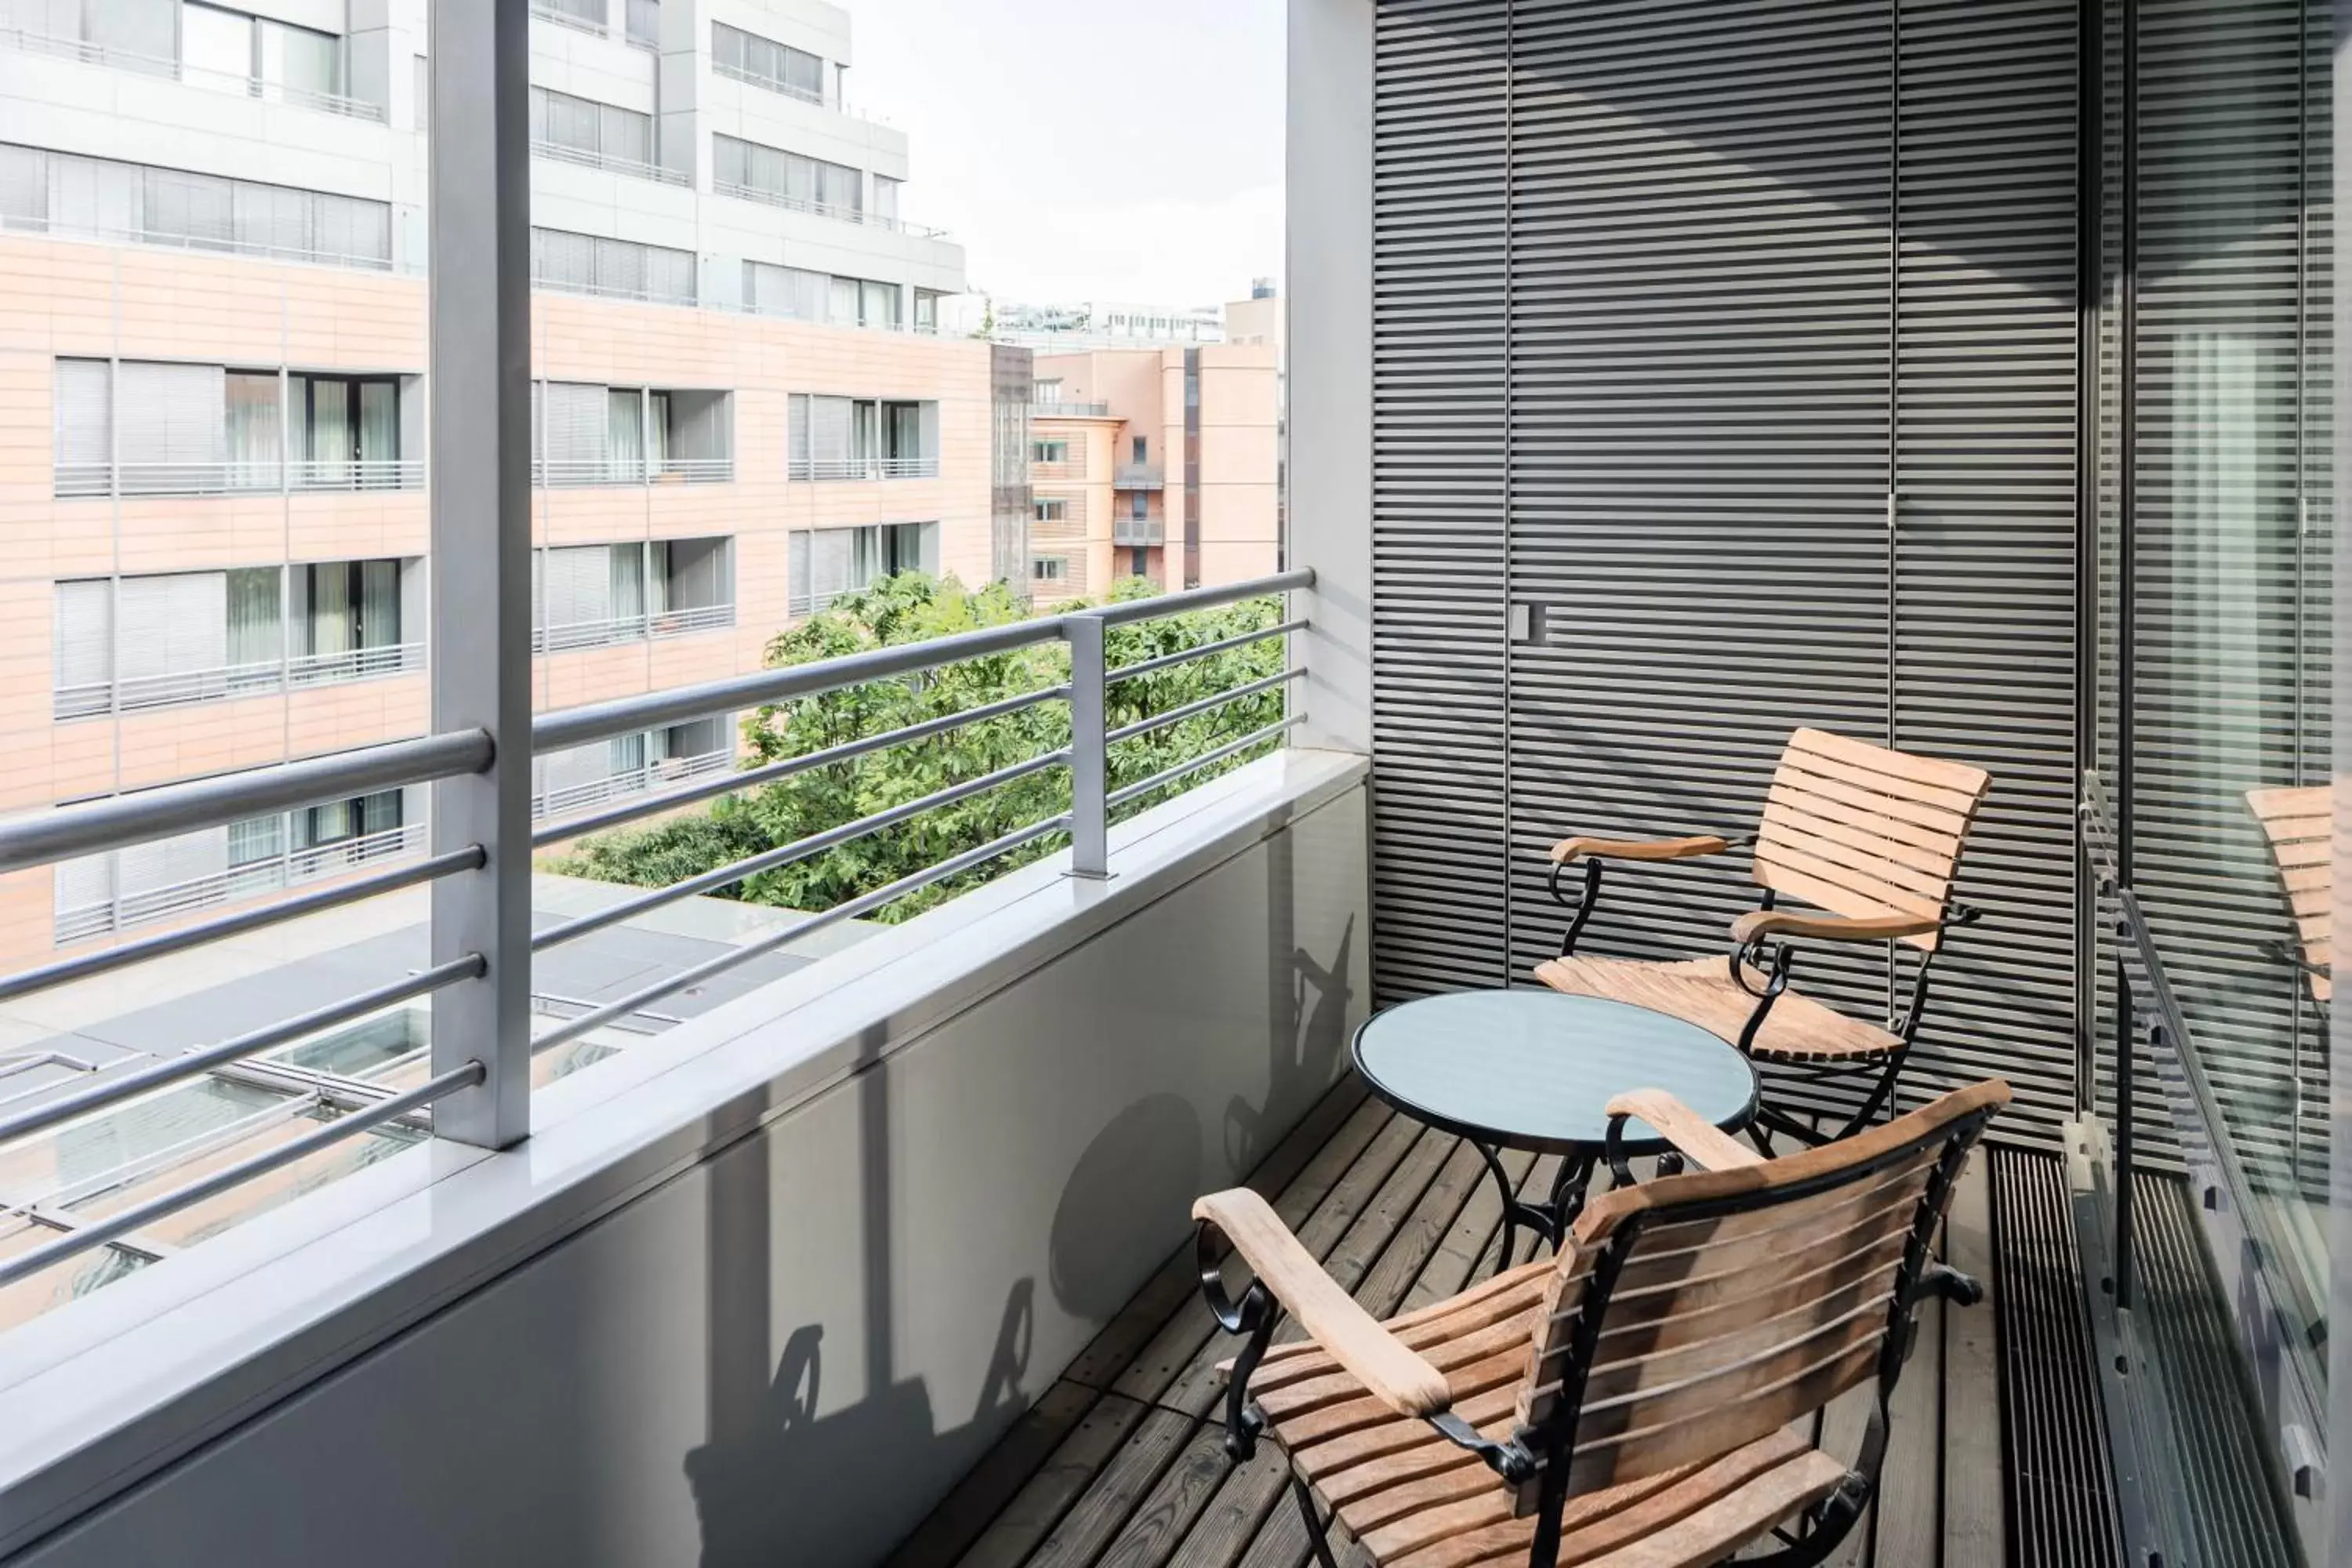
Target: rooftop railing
{"x": 834, "y": 210}
{"x": 470, "y": 873}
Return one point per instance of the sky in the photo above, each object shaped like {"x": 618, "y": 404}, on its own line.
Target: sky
{"x": 1127, "y": 150}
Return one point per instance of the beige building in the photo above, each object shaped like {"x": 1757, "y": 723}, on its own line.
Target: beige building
{"x": 1162, "y": 463}
{"x": 212, "y": 475}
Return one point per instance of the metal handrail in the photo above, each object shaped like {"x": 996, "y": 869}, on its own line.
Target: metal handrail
{"x": 1195, "y": 708}
{"x": 88, "y": 53}
{"x": 635, "y": 168}
{"x": 834, "y": 210}
{"x": 833, "y": 469}
{"x": 113, "y": 823}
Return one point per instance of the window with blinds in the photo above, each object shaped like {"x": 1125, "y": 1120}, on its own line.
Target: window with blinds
{"x": 82, "y": 414}
{"x": 740, "y": 168}
{"x": 590, "y": 132}
{"x": 779, "y": 68}
{"x": 619, "y": 269}
{"x": 807, "y": 296}
{"x": 62, "y": 193}
{"x": 861, "y": 438}
{"x": 824, "y": 564}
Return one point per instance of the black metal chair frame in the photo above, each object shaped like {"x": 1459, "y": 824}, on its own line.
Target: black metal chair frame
{"x": 1547, "y": 1447}
{"x": 1775, "y": 959}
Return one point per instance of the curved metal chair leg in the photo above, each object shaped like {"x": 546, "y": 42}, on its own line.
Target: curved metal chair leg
{"x": 1318, "y": 1533}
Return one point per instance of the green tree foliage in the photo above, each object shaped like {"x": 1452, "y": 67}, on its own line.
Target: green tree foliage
{"x": 916, "y": 608}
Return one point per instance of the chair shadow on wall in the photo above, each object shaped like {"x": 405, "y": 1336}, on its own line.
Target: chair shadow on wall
{"x": 801, "y": 1477}
{"x": 1304, "y": 1054}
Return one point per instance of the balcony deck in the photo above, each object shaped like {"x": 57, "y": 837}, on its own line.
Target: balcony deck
{"x": 1120, "y": 1462}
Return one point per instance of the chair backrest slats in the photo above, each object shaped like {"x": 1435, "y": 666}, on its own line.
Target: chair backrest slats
{"x": 2300, "y": 827}
{"x": 1692, "y": 1315}
{"x": 1860, "y": 831}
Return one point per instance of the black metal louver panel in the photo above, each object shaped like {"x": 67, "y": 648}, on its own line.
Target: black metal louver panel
{"x": 1700, "y": 358}
{"x": 1984, "y": 569}
{"x": 1438, "y": 306}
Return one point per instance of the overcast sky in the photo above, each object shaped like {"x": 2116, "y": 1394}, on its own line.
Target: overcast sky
{"x": 1083, "y": 150}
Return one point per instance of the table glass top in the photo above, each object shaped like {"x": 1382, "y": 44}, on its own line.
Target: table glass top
{"x": 1537, "y": 1068}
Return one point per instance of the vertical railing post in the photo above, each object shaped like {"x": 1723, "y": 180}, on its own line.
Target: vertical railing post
{"x": 1089, "y": 755}
{"x": 479, "y": 367}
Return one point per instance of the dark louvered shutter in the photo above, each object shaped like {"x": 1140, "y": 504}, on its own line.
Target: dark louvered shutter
{"x": 1663, "y": 313}
{"x": 1438, "y": 313}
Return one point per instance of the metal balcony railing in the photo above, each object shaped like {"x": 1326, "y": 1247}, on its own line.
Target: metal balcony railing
{"x": 824, "y": 209}
{"x": 554, "y": 805}
{"x": 831, "y": 468}
{"x": 566, "y": 636}
{"x": 1139, "y": 477}
{"x": 1139, "y": 530}
{"x": 586, "y": 19}
{"x": 474, "y": 873}
{"x": 586, "y": 473}
{"x": 234, "y": 82}
{"x": 1059, "y": 410}
{"x": 249, "y": 477}
{"x": 286, "y": 870}
{"x": 634, "y": 167}
{"x": 133, "y": 693}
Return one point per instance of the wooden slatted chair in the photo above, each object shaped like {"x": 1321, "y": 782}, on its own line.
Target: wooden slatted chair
{"x": 2299, "y": 823}
{"x": 1871, "y": 835}
{"x": 1630, "y": 1403}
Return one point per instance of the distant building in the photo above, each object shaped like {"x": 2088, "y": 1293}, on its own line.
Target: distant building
{"x": 1092, "y": 324}
{"x": 1156, "y": 462}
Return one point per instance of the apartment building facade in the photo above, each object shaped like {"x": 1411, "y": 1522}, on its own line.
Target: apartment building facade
{"x": 212, "y": 457}
{"x": 1162, "y": 463}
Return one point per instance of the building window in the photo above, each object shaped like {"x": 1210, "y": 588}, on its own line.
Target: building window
{"x": 212, "y": 430}
{"x": 824, "y": 564}
{"x": 582, "y": 130}
{"x": 176, "y": 876}
{"x": 59, "y": 193}
{"x": 1050, "y": 451}
{"x": 779, "y": 68}
{"x": 126, "y": 644}
{"x": 885, "y": 200}
{"x": 1053, "y": 509}
{"x": 862, "y": 439}
{"x": 618, "y": 268}
{"x": 584, "y": 776}
{"x": 587, "y": 15}
{"x": 585, "y": 434}
{"x": 835, "y": 300}
{"x": 1139, "y": 506}
{"x": 1049, "y": 392}
{"x": 598, "y": 595}
{"x": 1049, "y": 569}
{"x": 1143, "y": 449}
{"x": 645, "y": 23}
{"x": 739, "y": 168}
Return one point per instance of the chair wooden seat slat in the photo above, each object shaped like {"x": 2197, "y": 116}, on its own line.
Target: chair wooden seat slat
{"x": 1870, "y": 835}
{"x": 1636, "y": 1402}
{"x": 2300, "y": 825}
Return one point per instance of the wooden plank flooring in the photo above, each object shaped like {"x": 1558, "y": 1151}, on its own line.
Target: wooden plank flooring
{"x": 1120, "y": 1463}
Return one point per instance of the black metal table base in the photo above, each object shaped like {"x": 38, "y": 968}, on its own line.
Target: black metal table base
{"x": 1548, "y": 1219}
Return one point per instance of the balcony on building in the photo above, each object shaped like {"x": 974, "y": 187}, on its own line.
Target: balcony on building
{"x": 149, "y": 428}
{"x": 602, "y": 595}
{"x": 589, "y": 435}
{"x": 836, "y": 439}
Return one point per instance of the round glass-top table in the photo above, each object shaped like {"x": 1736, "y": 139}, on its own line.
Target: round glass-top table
{"x": 1536, "y": 1070}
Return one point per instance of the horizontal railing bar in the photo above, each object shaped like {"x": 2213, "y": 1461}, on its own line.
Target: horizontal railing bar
{"x": 798, "y": 849}
{"x": 748, "y": 778}
{"x": 601, "y": 721}
{"x": 1186, "y": 656}
{"x": 1167, "y": 605}
{"x": 469, "y": 858}
{"x": 172, "y": 1069}
{"x": 863, "y": 903}
{"x": 1167, "y": 776}
{"x": 1194, "y": 709}
{"x": 123, "y": 820}
{"x": 98, "y": 1232}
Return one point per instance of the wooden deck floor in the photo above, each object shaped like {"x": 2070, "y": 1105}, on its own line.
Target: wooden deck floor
{"x": 1120, "y": 1463}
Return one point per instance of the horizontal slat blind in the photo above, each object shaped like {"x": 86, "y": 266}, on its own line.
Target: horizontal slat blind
{"x": 1440, "y": 236}
{"x": 1700, "y": 354}
{"x": 1985, "y": 402}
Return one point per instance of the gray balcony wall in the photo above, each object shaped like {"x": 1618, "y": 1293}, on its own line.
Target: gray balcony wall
{"x": 787, "y": 1350}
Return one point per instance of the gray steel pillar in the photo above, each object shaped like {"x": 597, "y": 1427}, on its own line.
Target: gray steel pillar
{"x": 479, "y": 382}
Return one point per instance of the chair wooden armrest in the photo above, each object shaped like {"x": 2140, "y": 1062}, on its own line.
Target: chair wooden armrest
{"x": 1569, "y": 849}
{"x": 1758, "y": 923}
{"x": 1387, "y": 1369}
{"x": 1700, "y": 1141}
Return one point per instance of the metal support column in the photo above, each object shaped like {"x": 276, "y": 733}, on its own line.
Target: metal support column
{"x": 1089, "y": 752}
{"x": 479, "y": 376}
